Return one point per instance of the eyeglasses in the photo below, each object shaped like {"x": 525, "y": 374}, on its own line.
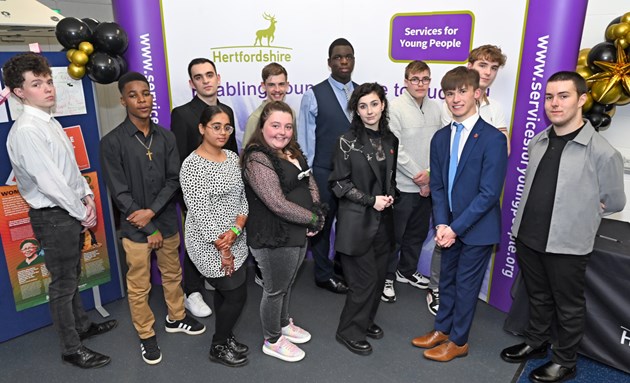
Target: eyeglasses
{"x": 340, "y": 57}
{"x": 417, "y": 81}
{"x": 218, "y": 127}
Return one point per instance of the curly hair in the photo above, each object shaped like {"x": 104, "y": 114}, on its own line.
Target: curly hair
{"x": 14, "y": 69}
{"x": 353, "y": 106}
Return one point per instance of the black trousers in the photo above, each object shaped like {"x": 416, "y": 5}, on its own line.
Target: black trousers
{"x": 365, "y": 275}
{"x": 59, "y": 234}
{"x": 555, "y": 286}
{"x": 412, "y": 213}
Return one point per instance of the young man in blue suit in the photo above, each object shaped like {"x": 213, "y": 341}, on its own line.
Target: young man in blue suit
{"x": 468, "y": 166}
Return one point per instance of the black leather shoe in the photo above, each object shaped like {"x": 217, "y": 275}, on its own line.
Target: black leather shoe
{"x": 237, "y": 346}
{"x": 521, "y": 352}
{"x": 551, "y": 372}
{"x": 98, "y": 328}
{"x": 224, "y": 354}
{"x": 361, "y": 347}
{"x": 374, "y": 331}
{"x": 86, "y": 358}
{"x": 331, "y": 284}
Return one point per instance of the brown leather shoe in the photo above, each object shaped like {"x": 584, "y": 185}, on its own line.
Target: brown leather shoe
{"x": 430, "y": 339}
{"x": 446, "y": 352}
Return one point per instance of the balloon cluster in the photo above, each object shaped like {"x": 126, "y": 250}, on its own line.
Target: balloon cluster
{"x": 606, "y": 69}
{"x": 93, "y": 48}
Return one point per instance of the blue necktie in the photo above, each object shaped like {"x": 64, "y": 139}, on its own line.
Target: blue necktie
{"x": 452, "y": 165}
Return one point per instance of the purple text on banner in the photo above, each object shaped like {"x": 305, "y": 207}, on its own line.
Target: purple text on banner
{"x": 553, "y": 31}
{"x": 142, "y": 20}
{"x": 434, "y": 37}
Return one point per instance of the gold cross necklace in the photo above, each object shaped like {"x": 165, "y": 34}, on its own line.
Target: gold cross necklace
{"x": 148, "y": 148}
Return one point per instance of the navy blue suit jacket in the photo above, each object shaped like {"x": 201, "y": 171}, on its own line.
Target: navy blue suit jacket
{"x": 476, "y": 213}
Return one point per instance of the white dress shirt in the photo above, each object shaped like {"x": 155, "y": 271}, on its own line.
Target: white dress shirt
{"x": 44, "y": 164}
{"x": 469, "y": 124}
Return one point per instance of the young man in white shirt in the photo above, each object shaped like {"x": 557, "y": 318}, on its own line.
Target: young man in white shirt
{"x": 62, "y": 204}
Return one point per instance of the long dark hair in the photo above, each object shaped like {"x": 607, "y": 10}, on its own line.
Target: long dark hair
{"x": 353, "y": 105}
{"x": 257, "y": 138}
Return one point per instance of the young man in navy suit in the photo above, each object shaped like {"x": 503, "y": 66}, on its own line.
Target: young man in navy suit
{"x": 468, "y": 166}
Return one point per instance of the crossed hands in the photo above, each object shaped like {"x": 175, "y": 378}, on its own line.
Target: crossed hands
{"x": 445, "y": 236}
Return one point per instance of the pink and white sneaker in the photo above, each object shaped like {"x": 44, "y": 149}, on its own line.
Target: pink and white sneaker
{"x": 295, "y": 334}
{"x": 283, "y": 349}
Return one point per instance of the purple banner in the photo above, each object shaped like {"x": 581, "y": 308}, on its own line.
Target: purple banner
{"x": 434, "y": 37}
{"x": 142, "y": 20}
{"x": 553, "y": 31}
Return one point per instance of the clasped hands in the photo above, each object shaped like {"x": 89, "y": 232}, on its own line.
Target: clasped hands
{"x": 381, "y": 202}
{"x": 224, "y": 244}
{"x": 445, "y": 236}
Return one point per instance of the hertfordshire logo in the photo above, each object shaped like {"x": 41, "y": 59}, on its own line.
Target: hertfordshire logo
{"x": 268, "y": 33}
{"x": 257, "y": 53}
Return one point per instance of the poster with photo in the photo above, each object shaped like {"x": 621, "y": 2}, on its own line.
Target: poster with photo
{"x": 25, "y": 256}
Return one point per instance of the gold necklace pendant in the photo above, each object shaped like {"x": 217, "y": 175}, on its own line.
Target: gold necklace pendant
{"x": 148, "y": 148}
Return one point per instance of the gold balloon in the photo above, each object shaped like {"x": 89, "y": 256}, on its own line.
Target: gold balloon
{"x": 80, "y": 58}
{"x": 606, "y": 97}
{"x": 588, "y": 104}
{"x": 621, "y": 42}
{"x": 69, "y": 54}
{"x": 612, "y": 111}
{"x": 584, "y": 71}
{"x": 76, "y": 71}
{"x": 610, "y": 36}
{"x": 625, "y": 18}
{"x": 620, "y": 29}
{"x": 623, "y": 100}
{"x": 582, "y": 55}
{"x": 86, "y": 47}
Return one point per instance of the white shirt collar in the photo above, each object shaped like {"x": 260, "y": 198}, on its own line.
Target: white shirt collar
{"x": 37, "y": 113}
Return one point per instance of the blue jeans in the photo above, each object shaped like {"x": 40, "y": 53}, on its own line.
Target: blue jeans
{"x": 59, "y": 235}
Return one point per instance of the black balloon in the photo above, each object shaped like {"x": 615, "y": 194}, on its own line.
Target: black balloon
{"x": 110, "y": 38}
{"x": 597, "y": 108}
{"x": 596, "y": 119}
{"x": 123, "y": 64}
{"x": 616, "y": 20}
{"x": 103, "y": 68}
{"x": 91, "y": 23}
{"x": 606, "y": 119}
{"x": 71, "y": 31}
{"x": 601, "y": 52}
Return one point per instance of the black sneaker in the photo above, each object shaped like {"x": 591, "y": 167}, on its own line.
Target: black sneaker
{"x": 237, "y": 346}
{"x": 224, "y": 354}
{"x": 189, "y": 325}
{"x": 433, "y": 301}
{"x": 151, "y": 353}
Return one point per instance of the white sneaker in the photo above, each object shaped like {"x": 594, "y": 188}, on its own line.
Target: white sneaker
{"x": 283, "y": 349}
{"x": 389, "y": 294}
{"x": 433, "y": 301}
{"x": 196, "y": 305}
{"x": 295, "y": 334}
{"x": 416, "y": 280}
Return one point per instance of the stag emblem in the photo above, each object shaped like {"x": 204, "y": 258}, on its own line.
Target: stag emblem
{"x": 268, "y": 33}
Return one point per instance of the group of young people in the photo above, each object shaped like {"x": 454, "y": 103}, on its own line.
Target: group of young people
{"x": 381, "y": 168}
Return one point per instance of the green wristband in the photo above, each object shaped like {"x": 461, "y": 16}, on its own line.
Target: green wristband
{"x": 155, "y": 232}
{"x": 236, "y": 231}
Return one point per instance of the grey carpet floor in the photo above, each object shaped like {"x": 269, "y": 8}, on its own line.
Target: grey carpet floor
{"x": 35, "y": 357}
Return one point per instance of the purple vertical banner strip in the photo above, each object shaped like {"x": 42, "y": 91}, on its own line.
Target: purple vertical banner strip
{"x": 553, "y": 31}
{"x": 142, "y": 20}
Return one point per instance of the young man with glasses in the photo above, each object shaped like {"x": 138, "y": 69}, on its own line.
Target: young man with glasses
{"x": 413, "y": 118}
{"x": 324, "y": 116}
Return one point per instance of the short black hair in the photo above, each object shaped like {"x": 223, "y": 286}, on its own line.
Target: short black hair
{"x": 14, "y": 69}
{"x": 578, "y": 81}
{"x": 339, "y": 42}
{"x": 129, "y": 77}
{"x": 200, "y": 60}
